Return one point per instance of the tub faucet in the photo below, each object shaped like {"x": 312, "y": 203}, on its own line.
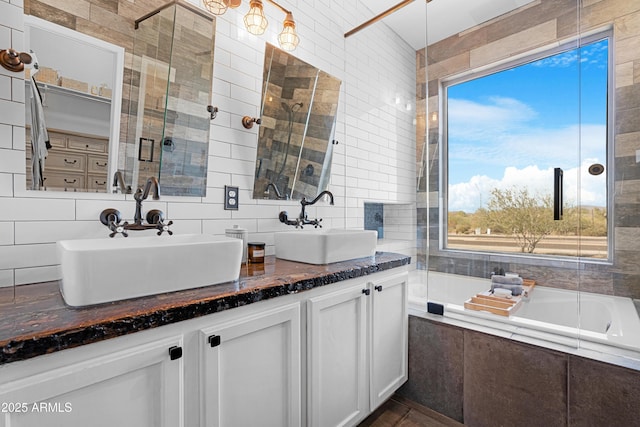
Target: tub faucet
{"x": 302, "y": 219}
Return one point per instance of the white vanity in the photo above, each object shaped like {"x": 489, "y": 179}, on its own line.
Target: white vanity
{"x": 325, "y": 356}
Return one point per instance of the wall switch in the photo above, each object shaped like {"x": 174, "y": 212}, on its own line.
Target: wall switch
{"x": 230, "y": 198}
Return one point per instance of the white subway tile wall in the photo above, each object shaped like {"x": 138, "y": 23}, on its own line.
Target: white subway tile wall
{"x": 374, "y": 160}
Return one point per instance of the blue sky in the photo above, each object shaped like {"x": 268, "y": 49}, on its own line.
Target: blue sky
{"x": 515, "y": 126}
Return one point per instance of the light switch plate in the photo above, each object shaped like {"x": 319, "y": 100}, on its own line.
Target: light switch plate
{"x": 230, "y": 198}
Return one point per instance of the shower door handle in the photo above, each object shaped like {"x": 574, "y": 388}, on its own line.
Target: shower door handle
{"x": 557, "y": 194}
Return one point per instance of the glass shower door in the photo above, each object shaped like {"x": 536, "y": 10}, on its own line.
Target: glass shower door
{"x": 168, "y": 121}
{"x": 503, "y": 116}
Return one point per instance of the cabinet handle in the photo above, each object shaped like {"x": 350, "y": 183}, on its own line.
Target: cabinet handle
{"x": 367, "y": 292}
{"x": 214, "y": 340}
{"x": 70, "y": 182}
{"x": 101, "y": 184}
{"x": 101, "y": 164}
{"x": 378, "y": 288}
{"x": 70, "y": 163}
{"x": 175, "y": 352}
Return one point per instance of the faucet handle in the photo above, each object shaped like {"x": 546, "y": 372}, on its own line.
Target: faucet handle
{"x": 111, "y": 218}
{"x": 162, "y": 227}
{"x": 156, "y": 217}
{"x": 117, "y": 228}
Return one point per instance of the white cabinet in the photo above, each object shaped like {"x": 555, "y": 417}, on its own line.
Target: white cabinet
{"x": 389, "y": 346}
{"x": 137, "y": 387}
{"x": 251, "y": 370}
{"x": 326, "y": 357}
{"x": 336, "y": 354}
{"x": 357, "y": 350}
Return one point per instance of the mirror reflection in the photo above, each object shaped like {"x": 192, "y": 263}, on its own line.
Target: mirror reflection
{"x": 295, "y": 140}
{"x": 147, "y": 118}
{"x": 72, "y": 109}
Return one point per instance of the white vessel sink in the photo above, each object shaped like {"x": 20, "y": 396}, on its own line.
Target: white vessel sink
{"x": 102, "y": 270}
{"x": 319, "y": 246}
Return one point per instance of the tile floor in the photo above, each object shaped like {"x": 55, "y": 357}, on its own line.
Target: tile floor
{"x": 401, "y": 412}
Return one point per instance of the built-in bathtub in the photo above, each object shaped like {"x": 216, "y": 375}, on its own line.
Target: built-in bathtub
{"x": 560, "y": 316}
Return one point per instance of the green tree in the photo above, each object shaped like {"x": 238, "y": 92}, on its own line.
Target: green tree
{"x": 529, "y": 218}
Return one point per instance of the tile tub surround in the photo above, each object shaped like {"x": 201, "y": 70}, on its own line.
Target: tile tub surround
{"x": 39, "y": 322}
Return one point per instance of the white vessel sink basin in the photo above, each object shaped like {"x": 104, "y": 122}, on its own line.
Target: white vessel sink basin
{"x": 102, "y": 270}
{"x": 319, "y": 246}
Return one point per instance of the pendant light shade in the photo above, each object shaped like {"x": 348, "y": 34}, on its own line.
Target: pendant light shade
{"x": 254, "y": 21}
{"x": 288, "y": 38}
{"x": 217, "y": 7}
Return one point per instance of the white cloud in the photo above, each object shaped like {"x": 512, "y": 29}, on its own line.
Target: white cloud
{"x": 468, "y": 196}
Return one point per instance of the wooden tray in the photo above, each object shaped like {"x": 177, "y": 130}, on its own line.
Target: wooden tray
{"x": 486, "y": 301}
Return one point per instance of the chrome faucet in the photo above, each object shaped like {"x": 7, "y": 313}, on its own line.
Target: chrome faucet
{"x": 278, "y": 194}
{"x": 155, "y": 218}
{"x": 302, "y": 219}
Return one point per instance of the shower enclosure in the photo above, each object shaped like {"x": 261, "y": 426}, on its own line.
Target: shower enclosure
{"x": 495, "y": 111}
{"x": 167, "y": 135}
{"x": 541, "y": 95}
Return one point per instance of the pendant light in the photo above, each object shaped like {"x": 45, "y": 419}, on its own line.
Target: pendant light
{"x": 217, "y": 7}
{"x": 254, "y": 21}
{"x": 288, "y": 38}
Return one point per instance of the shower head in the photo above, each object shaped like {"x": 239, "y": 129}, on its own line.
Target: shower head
{"x": 289, "y": 108}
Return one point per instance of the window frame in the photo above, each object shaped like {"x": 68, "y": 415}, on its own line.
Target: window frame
{"x": 509, "y": 63}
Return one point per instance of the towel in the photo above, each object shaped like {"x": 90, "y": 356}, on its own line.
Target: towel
{"x": 39, "y": 135}
{"x": 515, "y": 289}
{"x": 514, "y": 284}
{"x": 506, "y": 280}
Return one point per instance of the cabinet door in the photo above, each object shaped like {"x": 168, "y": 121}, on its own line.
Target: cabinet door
{"x": 336, "y": 354}
{"x": 389, "y": 328}
{"x": 251, "y": 371}
{"x": 138, "y": 387}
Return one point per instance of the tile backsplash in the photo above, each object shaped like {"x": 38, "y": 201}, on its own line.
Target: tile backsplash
{"x": 373, "y": 161}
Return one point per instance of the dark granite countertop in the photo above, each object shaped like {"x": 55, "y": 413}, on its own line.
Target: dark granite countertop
{"x": 37, "y": 321}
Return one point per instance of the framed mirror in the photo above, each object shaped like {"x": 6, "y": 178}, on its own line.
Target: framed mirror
{"x": 73, "y": 94}
{"x": 298, "y": 118}
{"x": 153, "y": 118}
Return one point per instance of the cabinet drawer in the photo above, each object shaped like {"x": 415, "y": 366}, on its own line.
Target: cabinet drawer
{"x": 58, "y": 139}
{"x": 97, "y": 183}
{"x": 97, "y": 164}
{"x": 66, "y": 161}
{"x": 88, "y": 144}
{"x": 63, "y": 180}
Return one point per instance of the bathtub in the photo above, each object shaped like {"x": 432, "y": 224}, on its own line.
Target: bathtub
{"x": 557, "y": 315}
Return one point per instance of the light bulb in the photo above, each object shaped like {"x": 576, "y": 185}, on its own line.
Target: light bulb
{"x": 254, "y": 21}
{"x": 217, "y": 7}
{"x": 288, "y": 38}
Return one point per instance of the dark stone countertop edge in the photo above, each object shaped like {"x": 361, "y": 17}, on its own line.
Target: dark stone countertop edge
{"x": 78, "y": 335}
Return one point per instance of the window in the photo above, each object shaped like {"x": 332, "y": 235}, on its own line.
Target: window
{"x": 505, "y": 133}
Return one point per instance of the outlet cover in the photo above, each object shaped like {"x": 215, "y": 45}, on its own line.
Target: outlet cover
{"x": 230, "y": 198}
